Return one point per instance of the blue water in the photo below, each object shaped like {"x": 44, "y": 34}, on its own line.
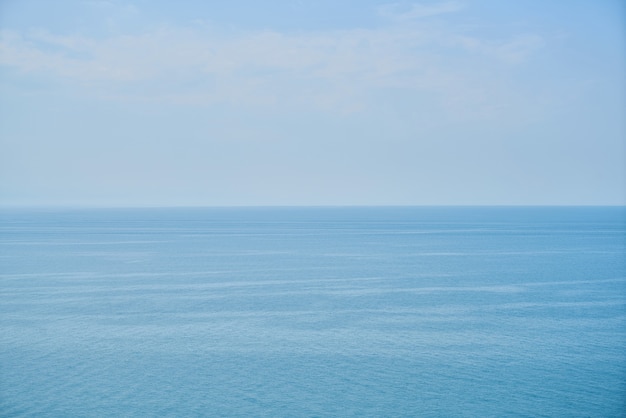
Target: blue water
{"x": 476, "y": 312}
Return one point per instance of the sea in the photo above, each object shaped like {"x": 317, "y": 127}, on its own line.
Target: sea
{"x": 313, "y": 312}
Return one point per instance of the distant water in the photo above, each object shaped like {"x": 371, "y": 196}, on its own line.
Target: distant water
{"x": 381, "y": 312}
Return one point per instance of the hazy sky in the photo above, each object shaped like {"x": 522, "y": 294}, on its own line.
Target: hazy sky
{"x": 312, "y": 102}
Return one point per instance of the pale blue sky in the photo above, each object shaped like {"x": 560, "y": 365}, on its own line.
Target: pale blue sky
{"x": 354, "y": 102}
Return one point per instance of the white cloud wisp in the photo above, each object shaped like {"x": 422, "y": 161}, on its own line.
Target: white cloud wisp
{"x": 335, "y": 70}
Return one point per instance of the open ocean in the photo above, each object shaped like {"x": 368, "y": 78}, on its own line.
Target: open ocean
{"x": 313, "y": 312}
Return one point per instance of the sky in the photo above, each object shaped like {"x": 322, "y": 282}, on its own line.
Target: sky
{"x": 302, "y": 102}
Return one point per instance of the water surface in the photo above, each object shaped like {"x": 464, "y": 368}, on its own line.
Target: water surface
{"x": 313, "y": 312}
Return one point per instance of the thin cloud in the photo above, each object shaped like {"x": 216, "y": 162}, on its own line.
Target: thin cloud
{"x": 419, "y": 10}
{"x": 333, "y": 70}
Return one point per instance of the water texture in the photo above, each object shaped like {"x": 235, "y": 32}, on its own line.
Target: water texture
{"x": 308, "y": 312}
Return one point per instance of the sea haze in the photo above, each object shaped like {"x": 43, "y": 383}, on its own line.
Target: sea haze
{"x": 412, "y": 311}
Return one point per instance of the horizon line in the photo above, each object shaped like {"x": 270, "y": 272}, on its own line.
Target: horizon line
{"x": 302, "y": 206}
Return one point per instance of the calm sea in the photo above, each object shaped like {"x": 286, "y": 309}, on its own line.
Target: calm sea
{"x": 381, "y": 312}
